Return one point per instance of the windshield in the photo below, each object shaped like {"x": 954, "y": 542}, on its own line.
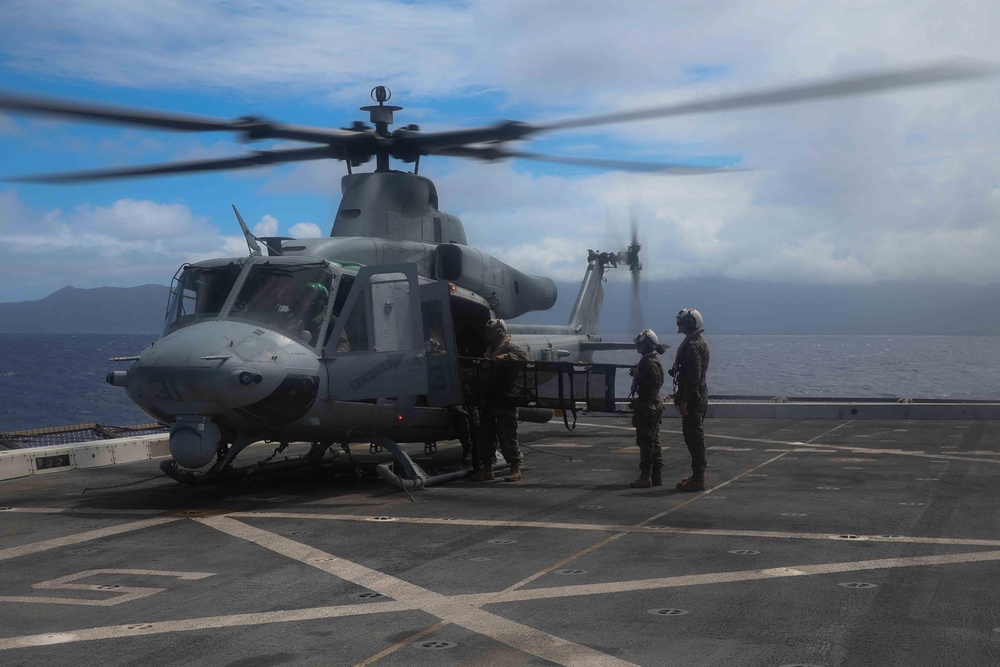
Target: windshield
{"x": 290, "y": 298}
{"x": 198, "y": 294}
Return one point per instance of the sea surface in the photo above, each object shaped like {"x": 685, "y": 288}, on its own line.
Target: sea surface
{"x": 58, "y": 380}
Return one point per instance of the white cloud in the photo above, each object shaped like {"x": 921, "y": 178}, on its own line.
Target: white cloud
{"x": 902, "y": 185}
{"x": 124, "y": 244}
{"x": 305, "y": 230}
{"x": 268, "y": 226}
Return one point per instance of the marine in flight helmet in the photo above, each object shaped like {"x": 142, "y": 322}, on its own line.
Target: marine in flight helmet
{"x": 495, "y": 328}
{"x": 646, "y": 341}
{"x": 689, "y": 318}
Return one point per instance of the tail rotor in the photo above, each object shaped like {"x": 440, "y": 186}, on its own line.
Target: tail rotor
{"x": 636, "y": 317}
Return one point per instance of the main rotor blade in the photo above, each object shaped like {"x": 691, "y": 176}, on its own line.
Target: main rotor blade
{"x": 113, "y": 114}
{"x": 952, "y": 70}
{"x": 666, "y": 169}
{"x": 255, "y": 159}
{"x": 250, "y": 127}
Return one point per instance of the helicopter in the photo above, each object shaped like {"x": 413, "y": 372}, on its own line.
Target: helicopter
{"x": 325, "y": 340}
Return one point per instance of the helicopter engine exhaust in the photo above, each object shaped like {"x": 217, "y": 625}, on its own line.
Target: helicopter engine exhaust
{"x": 513, "y": 292}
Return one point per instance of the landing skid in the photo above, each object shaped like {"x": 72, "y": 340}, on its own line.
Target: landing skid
{"x": 317, "y": 455}
{"x": 415, "y": 476}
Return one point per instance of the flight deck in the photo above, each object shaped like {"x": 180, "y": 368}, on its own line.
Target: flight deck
{"x": 819, "y": 542}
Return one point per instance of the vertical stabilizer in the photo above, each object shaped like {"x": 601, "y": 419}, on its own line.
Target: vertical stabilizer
{"x": 586, "y": 315}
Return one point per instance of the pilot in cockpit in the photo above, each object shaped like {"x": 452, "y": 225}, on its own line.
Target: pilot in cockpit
{"x": 306, "y": 317}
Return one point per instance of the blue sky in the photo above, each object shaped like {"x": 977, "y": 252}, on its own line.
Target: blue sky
{"x": 897, "y": 186}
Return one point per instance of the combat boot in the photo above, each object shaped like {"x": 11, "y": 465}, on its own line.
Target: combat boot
{"x": 515, "y": 474}
{"x": 644, "y": 482}
{"x": 484, "y": 475}
{"x": 695, "y": 482}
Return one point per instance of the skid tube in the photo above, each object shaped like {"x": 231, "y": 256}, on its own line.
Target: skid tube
{"x": 416, "y": 477}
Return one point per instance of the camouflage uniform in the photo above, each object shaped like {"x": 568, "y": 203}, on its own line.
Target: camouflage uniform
{"x": 690, "y": 368}
{"x": 498, "y": 414}
{"x": 646, "y": 419}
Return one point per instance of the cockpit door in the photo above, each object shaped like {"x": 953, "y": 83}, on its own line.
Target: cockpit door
{"x": 443, "y": 386}
{"x": 375, "y": 348}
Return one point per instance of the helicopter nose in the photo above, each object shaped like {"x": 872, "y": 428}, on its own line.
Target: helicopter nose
{"x": 206, "y": 368}
{"x": 231, "y": 373}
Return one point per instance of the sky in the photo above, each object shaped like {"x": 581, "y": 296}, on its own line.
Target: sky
{"x": 900, "y": 185}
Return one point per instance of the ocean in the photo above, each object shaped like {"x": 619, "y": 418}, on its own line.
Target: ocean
{"x": 58, "y": 379}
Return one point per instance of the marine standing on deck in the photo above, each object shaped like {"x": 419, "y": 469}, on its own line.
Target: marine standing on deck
{"x": 498, "y": 415}
{"x": 691, "y": 393}
{"x": 647, "y": 378}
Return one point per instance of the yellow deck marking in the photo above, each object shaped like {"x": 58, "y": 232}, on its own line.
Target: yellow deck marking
{"x": 516, "y": 635}
{"x": 639, "y": 528}
{"x": 725, "y": 577}
{"x": 825, "y": 448}
{"x": 470, "y": 602}
{"x": 69, "y": 540}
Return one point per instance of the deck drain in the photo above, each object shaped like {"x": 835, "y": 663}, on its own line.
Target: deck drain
{"x": 849, "y": 536}
{"x": 793, "y": 514}
{"x": 108, "y": 587}
{"x": 83, "y": 551}
{"x": 591, "y": 507}
{"x": 667, "y": 612}
{"x": 300, "y": 532}
{"x": 912, "y": 504}
{"x": 382, "y": 518}
{"x": 479, "y": 559}
{"x": 435, "y": 645}
{"x": 6, "y": 509}
{"x": 502, "y": 541}
{"x": 448, "y": 518}
{"x": 369, "y": 595}
{"x": 828, "y": 488}
{"x": 744, "y": 552}
{"x": 328, "y": 559}
{"x": 858, "y": 584}
{"x": 889, "y": 537}
{"x": 571, "y": 571}
{"x": 139, "y": 626}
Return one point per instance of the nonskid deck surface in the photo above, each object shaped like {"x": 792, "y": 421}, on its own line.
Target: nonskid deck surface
{"x": 818, "y": 543}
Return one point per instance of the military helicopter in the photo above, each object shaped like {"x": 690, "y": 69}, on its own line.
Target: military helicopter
{"x": 326, "y": 340}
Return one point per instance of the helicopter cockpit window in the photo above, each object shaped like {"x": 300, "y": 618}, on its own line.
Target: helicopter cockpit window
{"x": 290, "y": 298}
{"x": 198, "y": 294}
{"x": 380, "y": 318}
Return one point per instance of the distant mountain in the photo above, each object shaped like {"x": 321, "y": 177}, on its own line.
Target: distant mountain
{"x": 740, "y": 307}
{"x": 729, "y": 306}
{"x": 99, "y": 310}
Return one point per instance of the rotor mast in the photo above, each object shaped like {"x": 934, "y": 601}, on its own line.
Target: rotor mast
{"x": 381, "y": 118}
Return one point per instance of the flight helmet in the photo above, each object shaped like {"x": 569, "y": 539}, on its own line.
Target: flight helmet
{"x": 646, "y": 340}
{"x": 691, "y": 319}
{"x": 494, "y": 328}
